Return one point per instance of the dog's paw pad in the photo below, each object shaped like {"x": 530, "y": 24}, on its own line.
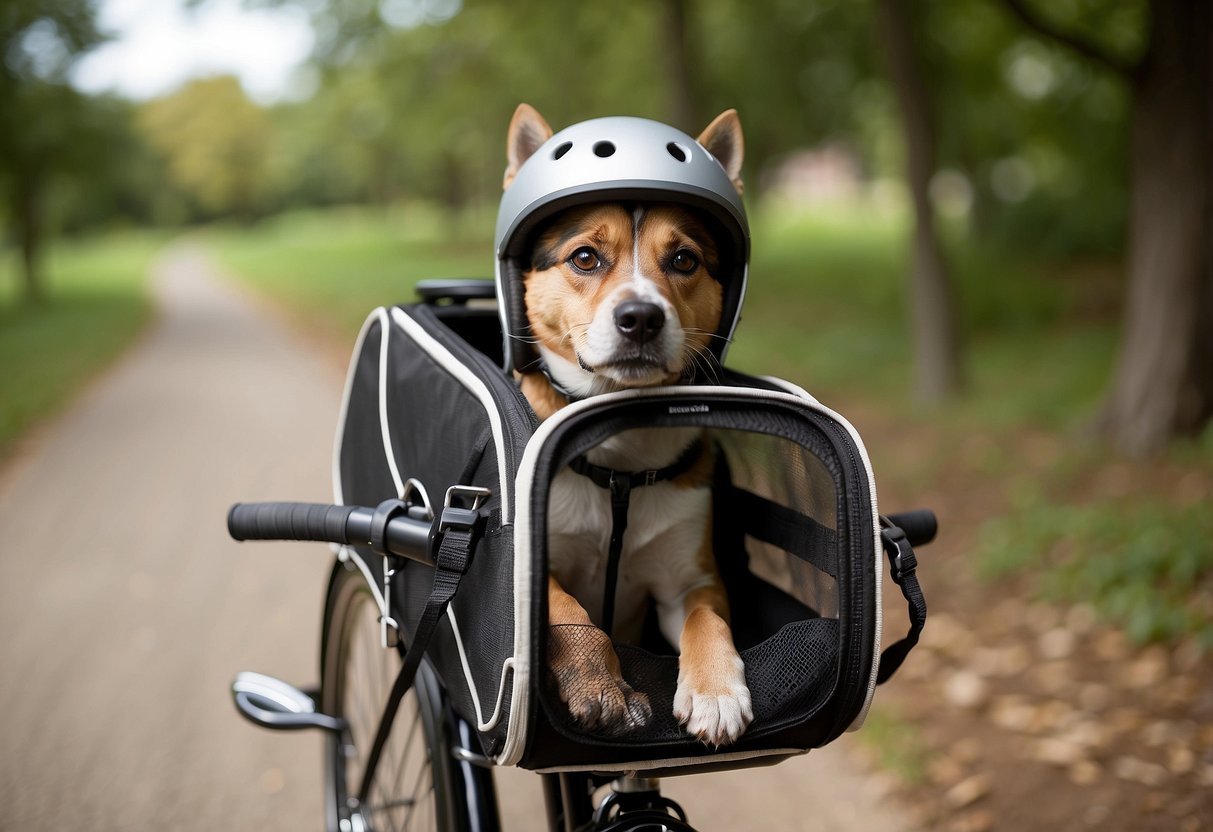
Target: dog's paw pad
{"x": 585, "y": 673}
{"x": 639, "y": 711}
{"x": 609, "y": 706}
{"x": 716, "y": 714}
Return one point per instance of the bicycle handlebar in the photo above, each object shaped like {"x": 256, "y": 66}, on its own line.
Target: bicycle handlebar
{"x": 408, "y": 535}
{"x": 920, "y": 525}
{"x": 404, "y": 535}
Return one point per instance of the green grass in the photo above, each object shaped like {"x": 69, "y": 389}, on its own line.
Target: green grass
{"x": 1145, "y": 566}
{"x": 332, "y": 267}
{"x": 822, "y": 306}
{"x": 95, "y": 306}
{"x": 825, "y": 304}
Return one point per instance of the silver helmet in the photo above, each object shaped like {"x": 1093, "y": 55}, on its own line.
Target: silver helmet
{"x": 614, "y": 159}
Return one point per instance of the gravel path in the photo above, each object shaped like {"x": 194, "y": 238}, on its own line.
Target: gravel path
{"x": 125, "y": 610}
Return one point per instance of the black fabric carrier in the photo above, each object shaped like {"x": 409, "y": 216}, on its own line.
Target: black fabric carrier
{"x": 795, "y": 533}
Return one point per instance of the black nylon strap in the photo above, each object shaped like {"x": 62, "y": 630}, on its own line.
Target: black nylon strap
{"x": 454, "y": 556}
{"x": 795, "y": 533}
{"x": 620, "y": 484}
{"x": 902, "y": 565}
{"x": 603, "y": 477}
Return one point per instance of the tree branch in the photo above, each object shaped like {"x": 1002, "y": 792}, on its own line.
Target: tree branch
{"x": 1084, "y": 47}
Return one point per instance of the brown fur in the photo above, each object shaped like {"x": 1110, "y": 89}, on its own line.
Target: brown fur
{"x": 561, "y": 301}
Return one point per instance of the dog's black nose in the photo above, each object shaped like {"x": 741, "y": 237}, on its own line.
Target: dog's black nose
{"x": 638, "y": 320}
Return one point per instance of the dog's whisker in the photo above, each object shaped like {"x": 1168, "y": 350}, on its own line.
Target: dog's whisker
{"x": 702, "y": 359}
{"x": 690, "y": 330}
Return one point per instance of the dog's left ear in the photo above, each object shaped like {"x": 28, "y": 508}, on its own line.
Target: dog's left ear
{"x": 527, "y": 132}
{"x": 722, "y": 138}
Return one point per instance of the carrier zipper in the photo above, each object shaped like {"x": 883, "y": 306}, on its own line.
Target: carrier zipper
{"x": 854, "y": 671}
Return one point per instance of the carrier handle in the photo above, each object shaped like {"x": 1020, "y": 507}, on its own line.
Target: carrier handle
{"x": 456, "y": 290}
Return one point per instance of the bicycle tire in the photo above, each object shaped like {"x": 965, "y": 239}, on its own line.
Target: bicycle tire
{"x": 412, "y": 788}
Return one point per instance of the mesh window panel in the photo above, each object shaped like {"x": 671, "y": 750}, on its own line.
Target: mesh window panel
{"x": 783, "y": 472}
{"x": 776, "y": 543}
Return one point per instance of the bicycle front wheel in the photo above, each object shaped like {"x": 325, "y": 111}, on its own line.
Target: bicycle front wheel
{"x": 412, "y": 784}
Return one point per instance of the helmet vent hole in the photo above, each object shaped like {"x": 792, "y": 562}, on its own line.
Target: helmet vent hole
{"x": 604, "y": 149}
{"x": 562, "y": 149}
{"x": 678, "y": 151}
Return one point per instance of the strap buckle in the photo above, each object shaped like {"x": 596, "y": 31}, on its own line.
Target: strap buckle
{"x": 458, "y": 519}
{"x": 903, "y": 563}
{"x": 453, "y": 517}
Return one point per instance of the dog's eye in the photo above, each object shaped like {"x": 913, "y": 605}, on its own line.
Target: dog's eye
{"x": 683, "y": 261}
{"x": 585, "y": 259}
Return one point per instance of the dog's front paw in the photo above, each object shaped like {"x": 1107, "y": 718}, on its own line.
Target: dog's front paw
{"x": 714, "y": 706}
{"x": 585, "y": 670}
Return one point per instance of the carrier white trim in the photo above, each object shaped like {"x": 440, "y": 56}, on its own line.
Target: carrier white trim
{"x": 878, "y": 630}
{"x": 506, "y": 666}
{"x": 338, "y": 497}
{"x": 515, "y": 742}
{"x": 397, "y": 480}
{"x": 465, "y": 377}
{"x": 474, "y": 385}
{"x": 671, "y": 762}
{"x": 347, "y": 553}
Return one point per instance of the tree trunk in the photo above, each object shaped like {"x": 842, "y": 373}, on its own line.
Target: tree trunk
{"x": 684, "y": 107}
{"x": 932, "y": 303}
{"x": 29, "y": 228}
{"x": 1163, "y": 384}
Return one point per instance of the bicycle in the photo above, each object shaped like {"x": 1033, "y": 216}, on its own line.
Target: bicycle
{"x": 428, "y": 771}
{"x": 432, "y": 395}
{"x": 423, "y": 769}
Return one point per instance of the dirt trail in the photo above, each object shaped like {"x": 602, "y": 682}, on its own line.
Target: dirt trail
{"x": 125, "y": 610}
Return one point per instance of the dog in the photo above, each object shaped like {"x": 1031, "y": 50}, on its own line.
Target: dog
{"x": 621, "y": 296}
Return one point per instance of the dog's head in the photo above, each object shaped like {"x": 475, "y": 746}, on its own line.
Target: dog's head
{"x": 623, "y": 294}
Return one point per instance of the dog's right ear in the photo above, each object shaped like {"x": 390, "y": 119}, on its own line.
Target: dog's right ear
{"x": 527, "y": 132}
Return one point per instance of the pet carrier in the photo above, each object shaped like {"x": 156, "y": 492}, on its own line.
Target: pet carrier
{"x": 795, "y": 530}
{"x": 796, "y": 534}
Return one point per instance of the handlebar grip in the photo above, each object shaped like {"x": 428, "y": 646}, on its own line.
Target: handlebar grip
{"x": 289, "y": 521}
{"x": 919, "y": 525}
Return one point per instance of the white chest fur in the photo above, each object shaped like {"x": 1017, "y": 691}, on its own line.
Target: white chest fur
{"x": 667, "y": 524}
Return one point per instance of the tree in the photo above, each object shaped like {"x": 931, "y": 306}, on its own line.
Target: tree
{"x": 1162, "y": 385}
{"x": 685, "y": 109}
{"x": 932, "y": 302}
{"x": 218, "y": 146}
{"x": 41, "y": 118}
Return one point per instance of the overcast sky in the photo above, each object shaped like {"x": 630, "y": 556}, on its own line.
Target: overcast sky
{"x": 158, "y": 45}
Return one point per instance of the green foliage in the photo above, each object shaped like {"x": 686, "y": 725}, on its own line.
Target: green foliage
{"x": 96, "y": 305}
{"x": 1147, "y": 567}
{"x": 414, "y": 95}
{"x": 1040, "y": 132}
{"x": 218, "y": 146}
